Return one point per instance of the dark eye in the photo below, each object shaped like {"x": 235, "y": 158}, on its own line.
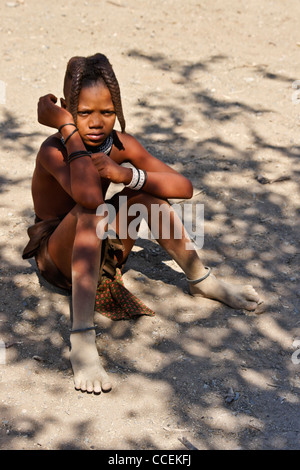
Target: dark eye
{"x": 108, "y": 113}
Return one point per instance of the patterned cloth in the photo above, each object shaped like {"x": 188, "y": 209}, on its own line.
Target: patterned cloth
{"x": 114, "y": 301}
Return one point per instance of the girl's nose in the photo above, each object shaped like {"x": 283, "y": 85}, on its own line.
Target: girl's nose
{"x": 96, "y": 121}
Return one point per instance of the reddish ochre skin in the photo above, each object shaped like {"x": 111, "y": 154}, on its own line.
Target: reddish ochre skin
{"x": 73, "y": 191}
{"x": 53, "y": 178}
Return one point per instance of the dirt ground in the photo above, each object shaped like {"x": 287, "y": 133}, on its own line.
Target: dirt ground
{"x": 211, "y": 89}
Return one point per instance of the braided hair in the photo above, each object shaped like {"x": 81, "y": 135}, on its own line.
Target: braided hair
{"x": 88, "y": 71}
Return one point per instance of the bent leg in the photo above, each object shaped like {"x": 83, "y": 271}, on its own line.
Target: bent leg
{"x": 75, "y": 249}
{"x": 184, "y": 253}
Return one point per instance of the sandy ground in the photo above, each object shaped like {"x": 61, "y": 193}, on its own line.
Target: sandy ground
{"x": 208, "y": 88}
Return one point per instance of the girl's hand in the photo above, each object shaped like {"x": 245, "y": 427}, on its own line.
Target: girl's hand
{"x": 50, "y": 114}
{"x": 110, "y": 170}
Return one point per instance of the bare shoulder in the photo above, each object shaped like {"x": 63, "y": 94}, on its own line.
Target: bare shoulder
{"x": 51, "y": 152}
{"x": 53, "y": 144}
{"x": 134, "y": 152}
{"x": 51, "y": 164}
{"x": 127, "y": 142}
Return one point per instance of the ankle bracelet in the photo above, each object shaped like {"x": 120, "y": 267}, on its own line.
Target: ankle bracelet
{"x": 195, "y": 281}
{"x": 79, "y": 330}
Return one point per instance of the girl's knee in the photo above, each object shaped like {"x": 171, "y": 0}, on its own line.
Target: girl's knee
{"x": 79, "y": 210}
{"x": 88, "y": 222}
{"x": 83, "y": 214}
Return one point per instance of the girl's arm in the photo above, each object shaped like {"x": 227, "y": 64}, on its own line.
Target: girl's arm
{"x": 162, "y": 181}
{"x": 80, "y": 178}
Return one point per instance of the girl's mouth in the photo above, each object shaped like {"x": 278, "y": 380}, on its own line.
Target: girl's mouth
{"x": 96, "y": 137}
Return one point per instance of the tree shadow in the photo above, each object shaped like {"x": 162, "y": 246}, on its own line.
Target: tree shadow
{"x": 13, "y": 136}
{"x": 217, "y": 350}
{"x": 257, "y": 229}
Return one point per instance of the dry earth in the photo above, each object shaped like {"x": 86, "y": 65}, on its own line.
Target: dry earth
{"x": 208, "y": 88}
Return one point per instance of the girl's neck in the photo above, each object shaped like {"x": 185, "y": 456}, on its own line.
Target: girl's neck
{"x": 105, "y": 147}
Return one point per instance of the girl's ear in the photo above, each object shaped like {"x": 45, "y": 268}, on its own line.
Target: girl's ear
{"x": 63, "y": 103}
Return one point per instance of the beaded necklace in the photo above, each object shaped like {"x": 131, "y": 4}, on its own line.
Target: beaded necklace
{"x": 105, "y": 147}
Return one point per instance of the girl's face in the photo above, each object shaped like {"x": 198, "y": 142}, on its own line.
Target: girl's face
{"x": 96, "y": 114}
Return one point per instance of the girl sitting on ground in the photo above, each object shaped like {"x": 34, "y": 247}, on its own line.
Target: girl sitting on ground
{"x": 74, "y": 168}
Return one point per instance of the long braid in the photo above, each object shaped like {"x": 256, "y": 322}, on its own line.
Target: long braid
{"x": 76, "y": 69}
{"x": 92, "y": 69}
{"x": 100, "y": 62}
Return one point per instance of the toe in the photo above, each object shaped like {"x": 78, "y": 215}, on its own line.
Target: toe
{"x": 262, "y": 307}
{"x": 251, "y": 294}
{"x": 250, "y": 306}
{"x": 97, "y": 387}
{"x": 77, "y": 383}
{"x": 89, "y": 386}
{"x": 106, "y": 386}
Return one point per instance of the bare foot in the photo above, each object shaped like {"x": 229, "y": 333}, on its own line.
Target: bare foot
{"x": 235, "y": 296}
{"x": 89, "y": 375}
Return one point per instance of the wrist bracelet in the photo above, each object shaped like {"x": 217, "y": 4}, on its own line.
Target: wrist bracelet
{"x": 138, "y": 180}
{"x": 70, "y": 135}
{"x": 67, "y": 124}
{"x": 142, "y": 180}
{"x": 135, "y": 178}
{"x": 78, "y": 154}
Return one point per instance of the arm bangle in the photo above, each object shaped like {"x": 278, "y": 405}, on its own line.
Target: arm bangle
{"x": 142, "y": 180}
{"x": 67, "y": 124}
{"x": 70, "y": 135}
{"x": 139, "y": 178}
{"x": 79, "y": 154}
{"x": 135, "y": 178}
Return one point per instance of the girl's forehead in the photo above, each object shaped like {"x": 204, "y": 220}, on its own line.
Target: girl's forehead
{"x": 95, "y": 92}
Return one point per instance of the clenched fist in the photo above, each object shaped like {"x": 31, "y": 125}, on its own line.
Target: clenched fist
{"x": 110, "y": 170}
{"x": 51, "y": 115}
